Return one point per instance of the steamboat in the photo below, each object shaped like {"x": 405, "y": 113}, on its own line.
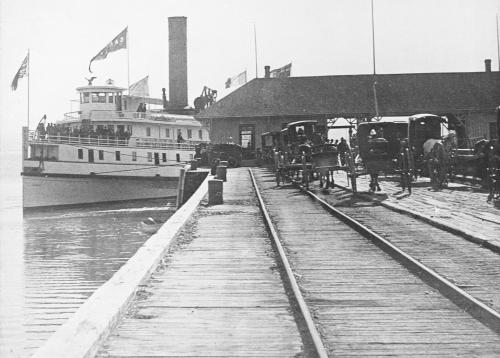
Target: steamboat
{"x": 117, "y": 146}
{"x": 104, "y": 152}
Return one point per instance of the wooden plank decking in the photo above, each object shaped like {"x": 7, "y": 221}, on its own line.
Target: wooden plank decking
{"x": 365, "y": 303}
{"x": 218, "y": 293}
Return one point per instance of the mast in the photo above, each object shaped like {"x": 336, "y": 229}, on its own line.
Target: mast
{"x": 498, "y": 46}
{"x": 28, "y": 71}
{"x": 374, "y": 67}
{"x": 255, "y": 45}
{"x": 128, "y": 63}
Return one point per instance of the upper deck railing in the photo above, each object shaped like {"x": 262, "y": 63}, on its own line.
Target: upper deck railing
{"x": 123, "y": 115}
{"x": 109, "y": 141}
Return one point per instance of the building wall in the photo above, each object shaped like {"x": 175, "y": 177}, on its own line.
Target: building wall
{"x": 228, "y": 129}
{"x": 478, "y": 124}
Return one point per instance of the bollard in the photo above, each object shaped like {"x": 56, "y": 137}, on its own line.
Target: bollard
{"x": 194, "y": 164}
{"x": 215, "y": 192}
{"x": 221, "y": 172}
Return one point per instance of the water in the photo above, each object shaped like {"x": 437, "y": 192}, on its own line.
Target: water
{"x": 51, "y": 261}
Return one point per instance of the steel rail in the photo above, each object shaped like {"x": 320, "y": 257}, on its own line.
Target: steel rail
{"x": 462, "y": 299}
{"x": 304, "y": 310}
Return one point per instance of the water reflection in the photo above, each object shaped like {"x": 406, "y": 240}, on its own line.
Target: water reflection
{"x": 51, "y": 261}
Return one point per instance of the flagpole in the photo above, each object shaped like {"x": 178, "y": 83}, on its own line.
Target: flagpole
{"x": 374, "y": 67}
{"x": 498, "y": 46}
{"x": 255, "y": 43}
{"x": 28, "y": 89}
{"x": 128, "y": 63}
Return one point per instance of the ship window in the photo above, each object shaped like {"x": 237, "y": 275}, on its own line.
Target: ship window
{"x": 134, "y": 156}
{"x": 150, "y": 157}
{"x": 117, "y": 155}
{"x": 167, "y": 132}
{"x": 80, "y": 153}
{"x": 110, "y": 97}
{"x": 101, "y": 155}
{"x": 164, "y": 157}
{"x": 111, "y": 128}
{"x": 101, "y": 97}
{"x": 86, "y": 97}
{"x": 177, "y": 157}
{"x": 190, "y": 133}
{"x": 148, "y": 131}
{"x": 200, "y": 134}
{"x": 95, "y": 98}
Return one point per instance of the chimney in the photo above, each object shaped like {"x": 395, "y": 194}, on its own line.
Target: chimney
{"x": 487, "y": 65}
{"x": 267, "y": 71}
{"x": 177, "y": 62}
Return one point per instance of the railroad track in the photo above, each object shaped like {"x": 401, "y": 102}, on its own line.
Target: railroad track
{"x": 363, "y": 294}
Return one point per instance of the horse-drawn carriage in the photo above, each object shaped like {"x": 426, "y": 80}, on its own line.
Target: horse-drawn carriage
{"x": 305, "y": 151}
{"x": 410, "y": 147}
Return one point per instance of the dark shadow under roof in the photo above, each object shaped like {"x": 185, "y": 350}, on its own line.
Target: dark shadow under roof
{"x": 352, "y": 95}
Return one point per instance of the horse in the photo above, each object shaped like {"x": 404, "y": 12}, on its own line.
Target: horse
{"x": 438, "y": 154}
{"x": 487, "y": 153}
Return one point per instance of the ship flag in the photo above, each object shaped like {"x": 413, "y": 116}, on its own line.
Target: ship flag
{"x": 22, "y": 72}
{"x": 237, "y": 80}
{"x": 282, "y": 72}
{"x": 119, "y": 42}
{"x": 140, "y": 88}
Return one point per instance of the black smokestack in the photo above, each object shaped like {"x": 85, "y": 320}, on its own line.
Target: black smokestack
{"x": 177, "y": 85}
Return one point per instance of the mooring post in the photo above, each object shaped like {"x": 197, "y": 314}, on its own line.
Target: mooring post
{"x": 215, "y": 192}
{"x": 180, "y": 190}
{"x": 221, "y": 172}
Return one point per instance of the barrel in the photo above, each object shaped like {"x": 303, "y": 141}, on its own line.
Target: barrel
{"x": 215, "y": 187}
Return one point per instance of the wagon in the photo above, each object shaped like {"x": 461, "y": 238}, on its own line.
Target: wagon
{"x": 396, "y": 146}
{"x": 307, "y": 154}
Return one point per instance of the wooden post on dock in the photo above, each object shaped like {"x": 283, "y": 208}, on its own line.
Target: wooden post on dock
{"x": 180, "y": 191}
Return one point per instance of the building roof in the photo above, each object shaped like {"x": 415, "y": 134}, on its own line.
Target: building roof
{"x": 352, "y": 95}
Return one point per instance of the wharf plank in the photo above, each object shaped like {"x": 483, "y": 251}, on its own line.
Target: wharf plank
{"x": 471, "y": 267}
{"x": 363, "y": 302}
{"x": 459, "y": 206}
{"x": 218, "y": 292}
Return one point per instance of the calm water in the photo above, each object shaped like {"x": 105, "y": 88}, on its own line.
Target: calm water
{"x": 51, "y": 261}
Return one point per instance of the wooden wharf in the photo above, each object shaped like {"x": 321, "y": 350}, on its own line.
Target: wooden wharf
{"x": 221, "y": 289}
{"x": 364, "y": 302}
{"x": 218, "y": 293}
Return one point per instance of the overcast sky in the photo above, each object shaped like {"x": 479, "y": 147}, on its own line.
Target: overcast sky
{"x": 319, "y": 37}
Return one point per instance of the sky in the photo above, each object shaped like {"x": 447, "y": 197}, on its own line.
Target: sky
{"x": 319, "y": 37}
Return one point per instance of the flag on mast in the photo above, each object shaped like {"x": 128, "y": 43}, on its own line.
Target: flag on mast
{"x": 237, "y": 80}
{"x": 22, "y": 72}
{"x": 282, "y": 72}
{"x": 140, "y": 88}
{"x": 119, "y": 42}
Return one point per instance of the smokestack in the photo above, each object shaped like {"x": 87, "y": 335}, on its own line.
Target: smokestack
{"x": 267, "y": 71}
{"x": 487, "y": 65}
{"x": 177, "y": 61}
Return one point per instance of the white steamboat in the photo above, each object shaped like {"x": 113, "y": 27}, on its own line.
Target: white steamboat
{"x": 104, "y": 152}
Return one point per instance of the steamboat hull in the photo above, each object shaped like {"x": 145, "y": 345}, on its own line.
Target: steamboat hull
{"x": 59, "y": 190}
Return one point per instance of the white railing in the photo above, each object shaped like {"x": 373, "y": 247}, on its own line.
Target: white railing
{"x": 107, "y": 141}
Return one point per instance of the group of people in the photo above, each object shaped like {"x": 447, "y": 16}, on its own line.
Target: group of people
{"x": 64, "y": 130}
